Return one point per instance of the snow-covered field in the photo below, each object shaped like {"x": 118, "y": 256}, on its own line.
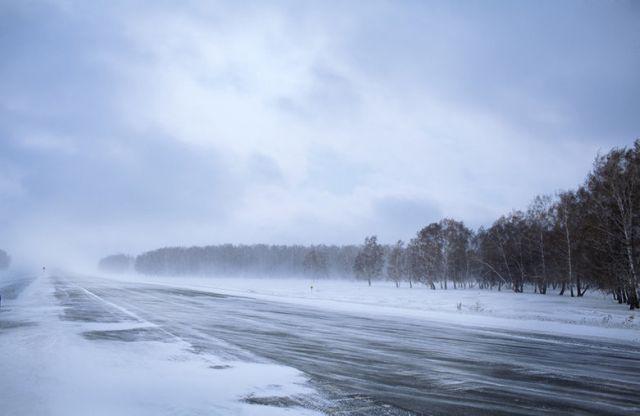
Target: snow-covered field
{"x": 595, "y": 314}
{"x": 47, "y": 367}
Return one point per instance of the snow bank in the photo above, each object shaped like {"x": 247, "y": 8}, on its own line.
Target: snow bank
{"x": 595, "y": 315}
{"x": 48, "y": 368}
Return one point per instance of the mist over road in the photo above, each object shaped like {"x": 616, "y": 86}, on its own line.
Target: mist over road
{"x": 375, "y": 364}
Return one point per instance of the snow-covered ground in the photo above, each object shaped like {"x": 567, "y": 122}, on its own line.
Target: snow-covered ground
{"x": 136, "y": 345}
{"x": 595, "y": 314}
{"x": 48, "y": 366}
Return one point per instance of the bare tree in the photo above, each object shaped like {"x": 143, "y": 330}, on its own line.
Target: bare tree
{"x": 455, "y": 249}
{"x": 614, "y": 185}
{"x": 427, "y": 260}
{"x": 540, "y": 223}
{"x": 396, "y": 268}
{"x": 370, "y": 260}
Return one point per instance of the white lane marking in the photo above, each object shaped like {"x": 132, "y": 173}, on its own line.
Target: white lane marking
{"x": 127, "y": 312}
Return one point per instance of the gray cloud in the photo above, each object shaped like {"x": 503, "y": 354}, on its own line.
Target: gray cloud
{"x": 129, "y": 125}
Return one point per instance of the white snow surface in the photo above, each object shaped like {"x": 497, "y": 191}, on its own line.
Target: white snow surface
{"x": 594, "y": 315}
{"x": 48, "y": 368}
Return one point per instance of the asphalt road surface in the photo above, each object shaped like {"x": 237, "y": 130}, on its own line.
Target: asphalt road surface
{"x": 376, "y": 365}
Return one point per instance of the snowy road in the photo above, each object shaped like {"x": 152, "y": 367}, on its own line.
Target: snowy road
{"x": 380, "y": 365}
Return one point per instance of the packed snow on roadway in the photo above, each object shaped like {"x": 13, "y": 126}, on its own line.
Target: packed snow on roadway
{"x": 49, "y": 366}
{"x": 595, "y": 314}
{"x": 68, "y": 351}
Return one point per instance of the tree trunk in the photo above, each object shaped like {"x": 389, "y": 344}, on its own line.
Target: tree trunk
{"x": 569, "y": 262}
{"x": 581, "y": 294}
{"x": 543, "y": 284}
{"x": 564, "y": 286}
{"x": 632, "y": 299}
{"x": 578, "y": 285}
{"x": 633, "y": 304}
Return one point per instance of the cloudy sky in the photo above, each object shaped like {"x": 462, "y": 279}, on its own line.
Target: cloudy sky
{"x": 129, "y": 125}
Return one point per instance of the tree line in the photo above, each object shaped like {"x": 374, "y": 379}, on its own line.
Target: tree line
{"x": 575, "y": 241}
{"x": 237, "y": 260}
{"x": 578, "y": 240}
